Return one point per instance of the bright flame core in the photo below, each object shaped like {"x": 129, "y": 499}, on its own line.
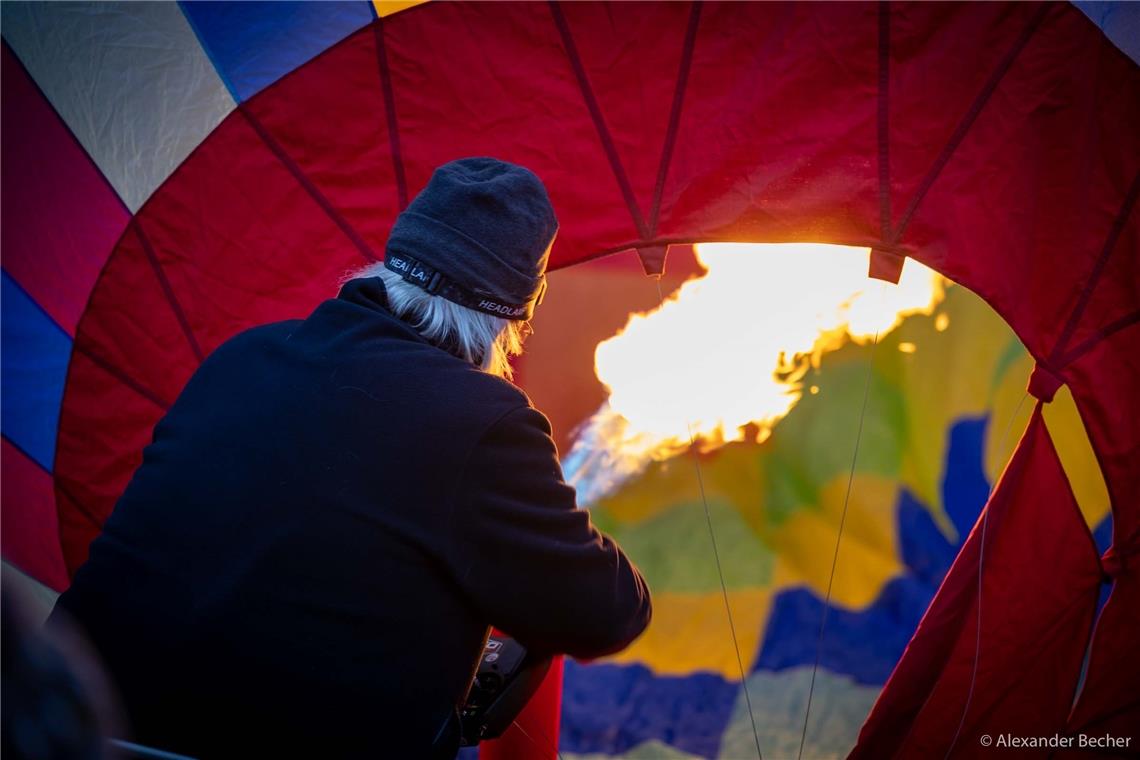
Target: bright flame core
{"x": 722, "y": 358}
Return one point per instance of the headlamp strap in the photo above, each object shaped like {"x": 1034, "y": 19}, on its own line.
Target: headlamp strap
{"x": 438, "y": 284}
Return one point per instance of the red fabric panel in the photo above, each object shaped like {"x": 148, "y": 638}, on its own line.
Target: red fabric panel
{"x": 104, "y": 425}
{"x": 132, "y": 327}
{"x": 330, "y": 119}
{"x": 941, "y": 56}
{"x": 130, "y": 361}
{"x": 1034, "y": 187}
{"x": 1115, "y": 294}
{"x": 634, "y": 86}
{"x": 1104, "y": 383}
{"x": 1039, "y": 586}
{"x": 240, "y": 240}
{"x": 537, "y": 739}
{"x": 777, "y": 141}
{"x": 493, "y": 79}
{"x": 63, "y": 218}
{"x": 1109, "y": 702}
{"x": 30, "y": 539}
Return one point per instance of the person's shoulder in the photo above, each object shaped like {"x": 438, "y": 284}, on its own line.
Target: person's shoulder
{"x": 510, "y": 411}
{"x": 501, "y": 388}
{"x": 258, "y": 334}
{"x": 267, "y": 331}
{"x": 490, "y": 396}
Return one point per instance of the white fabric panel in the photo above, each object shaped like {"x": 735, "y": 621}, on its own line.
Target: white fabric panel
{"x": 1119, "y": 21}
{"x": 129, "y": 79}
{"x": 36, "y": 598}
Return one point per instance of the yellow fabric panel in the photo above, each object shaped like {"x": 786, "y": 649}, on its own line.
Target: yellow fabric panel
{"x": 731, "y": 474}
{"x": 388, "y": 7}
{"x": 1077, "y": 457}
{"x": 644, "y": 498}
{"x": 947, "y": 377}
{"x": 1065, "y": 428}
{"x": 689, "y": 633}
{"x": 868, "y": 556}
{"x": 1005, "y": 427}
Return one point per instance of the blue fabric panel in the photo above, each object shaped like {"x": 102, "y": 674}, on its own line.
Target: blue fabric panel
{"x": 610, "y": 709}
{"x": 35, "y": 355}
{"x": 1103, "y": 537}
{"x": 253, "y": 45}
{"x": 1103, "y": 534}
{"x": 965, "y": 489}
{"x": 922, "y": 547}
{"x": 1119, "y": 21}
{"x": 865, "y": 645}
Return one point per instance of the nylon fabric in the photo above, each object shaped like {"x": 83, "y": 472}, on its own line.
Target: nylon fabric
{"x": 1033, "y": 612}
{"x": 35, "y": 353}
{"x": 30, "y": 539}
{"x": 997, "y": 147}
{"x": 253, "y": 45}
{"x": 129, "y": 79}
{"x": 69, "y": 218}
{"x": 1101, "y": 381}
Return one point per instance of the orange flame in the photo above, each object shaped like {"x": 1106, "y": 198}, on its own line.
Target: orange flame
{"x": 722, "y": 358}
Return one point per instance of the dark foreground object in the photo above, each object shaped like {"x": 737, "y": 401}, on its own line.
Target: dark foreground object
{"x": 328, "y": 520}
{"x": 507, "y": 677}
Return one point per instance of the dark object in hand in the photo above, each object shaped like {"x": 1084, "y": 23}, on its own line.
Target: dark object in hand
{"x": 508, "y": 676}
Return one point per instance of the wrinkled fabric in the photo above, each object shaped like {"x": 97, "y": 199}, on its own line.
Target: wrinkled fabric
{"x": 130, "y": 80}
{"x": 982, "y": 139}
{"x": 1039, "y": 575}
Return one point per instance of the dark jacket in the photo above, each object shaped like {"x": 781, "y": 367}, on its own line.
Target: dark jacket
{"x": 325, "y": 524}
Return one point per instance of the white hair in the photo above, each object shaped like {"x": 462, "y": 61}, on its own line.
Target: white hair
{"x": 486, "y": 341}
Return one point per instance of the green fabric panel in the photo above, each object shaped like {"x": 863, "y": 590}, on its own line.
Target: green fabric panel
{"x": 826, "y": 424}
{"x": 674, "y": 553}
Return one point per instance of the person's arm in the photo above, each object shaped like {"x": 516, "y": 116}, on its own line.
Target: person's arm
{"x": 532, "y": 562}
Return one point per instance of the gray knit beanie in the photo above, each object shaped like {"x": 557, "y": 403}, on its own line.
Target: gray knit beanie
{"x": 479, "y": 234}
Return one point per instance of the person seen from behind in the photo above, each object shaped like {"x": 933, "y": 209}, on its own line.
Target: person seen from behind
{"x": 336, "y": 508}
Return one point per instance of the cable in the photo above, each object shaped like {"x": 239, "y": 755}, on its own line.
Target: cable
{"x": 981, "y": 558}
{"x": 549, "y": 744}
{"x": 724, "y": 593}
{"x": 838, "y": 539}
{"x": 720, "y": 572}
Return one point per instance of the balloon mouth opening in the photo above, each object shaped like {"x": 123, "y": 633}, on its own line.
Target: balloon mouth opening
{"x": 732, "y": 351}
